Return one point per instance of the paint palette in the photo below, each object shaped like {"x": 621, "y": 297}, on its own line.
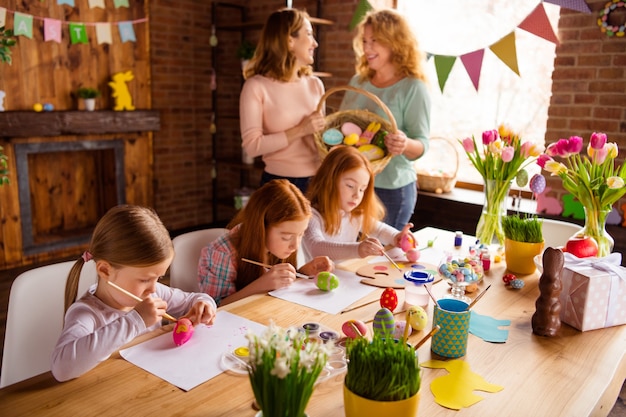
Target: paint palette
{"x": 385, "y": 275}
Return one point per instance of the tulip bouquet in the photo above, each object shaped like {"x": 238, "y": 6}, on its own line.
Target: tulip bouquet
{"x": 593, "y": 179}
{"x": 283, "y": 367}
{"x": 503, "y": 157}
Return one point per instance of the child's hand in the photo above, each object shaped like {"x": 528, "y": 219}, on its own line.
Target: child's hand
{"x": 279, "y": 276}
{"x": 317, "y": 265}
{"x": 406, "y": 230}
{"x": 151, "y": 310}
{"x": 201, "y": 312}
{"x": 370, "y": 246}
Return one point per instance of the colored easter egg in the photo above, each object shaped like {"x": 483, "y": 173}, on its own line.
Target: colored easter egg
{"x": 417, "y": 318}
{"x": 350, "y": 328}
{"x": 407, "y": 241}
{"x": 384, "y": 322}
{"x": 398, "y": 329}
{"x": 38, "y": 107}
{"x": 371, "y": 152}
{"x": 517, "y": 283}
{"x": 351, "y": 139}
{"x": 412, "y": 255}
{"x": 521, "y": 179}
{"x": 537, "y": 184}
{"x": 332, "y": 137}
{"x": 349, "y": 128}
{"x": 327, "y": 281}
{"x": 48, "y": 107}
{"x": 183, "y": 330}
{"x": 389, "y": 299}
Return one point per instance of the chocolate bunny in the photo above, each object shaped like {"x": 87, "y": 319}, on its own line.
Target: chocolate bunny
{"x": 546, "y": 320}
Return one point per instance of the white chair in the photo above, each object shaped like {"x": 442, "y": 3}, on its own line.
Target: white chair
{"x": 187, "y": 247}
{"x": 557, "y": 232}
{"x": 35, "y": 318}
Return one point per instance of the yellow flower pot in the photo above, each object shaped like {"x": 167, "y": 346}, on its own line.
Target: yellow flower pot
{"x": 519, "y": 256}
{"x": 357, "y": 406}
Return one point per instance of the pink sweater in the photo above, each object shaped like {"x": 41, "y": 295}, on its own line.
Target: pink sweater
{"x": 267, "y": 108}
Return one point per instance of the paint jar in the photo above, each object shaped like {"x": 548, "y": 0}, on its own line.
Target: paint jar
{"x": 458, "y": 239}
{"x": 415, "y": 293}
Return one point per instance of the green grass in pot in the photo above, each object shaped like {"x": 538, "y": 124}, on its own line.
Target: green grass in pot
{"x": 520, "y": 229}
{"x": 382, "y": 370}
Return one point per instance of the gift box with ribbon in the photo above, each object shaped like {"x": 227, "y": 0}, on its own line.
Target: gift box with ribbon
{"x": 594, "y": 292}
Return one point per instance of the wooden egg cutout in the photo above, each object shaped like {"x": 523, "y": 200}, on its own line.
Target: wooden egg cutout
{"x": 183, "y": 330}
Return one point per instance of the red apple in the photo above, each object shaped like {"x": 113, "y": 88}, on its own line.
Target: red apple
{"x": 581, "y": 246}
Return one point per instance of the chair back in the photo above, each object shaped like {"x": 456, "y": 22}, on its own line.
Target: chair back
{"x": 187, "y": 248}
{"x": 35, "y": 318}
{"x": 557, "y": 232}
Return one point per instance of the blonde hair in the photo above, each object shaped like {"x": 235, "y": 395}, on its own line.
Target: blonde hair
{"x": 275, "y": 202}
{"x": 125, "y": 236}
{"x": 272, "y": 57}
{"x": 324, "y": 190}
{"x": 390, "y": 29}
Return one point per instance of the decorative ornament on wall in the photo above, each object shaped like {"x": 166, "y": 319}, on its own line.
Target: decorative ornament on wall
{"x": 572, "y": 207}
{"x": 121, "y": 94}
{"x": 612, "y": 20}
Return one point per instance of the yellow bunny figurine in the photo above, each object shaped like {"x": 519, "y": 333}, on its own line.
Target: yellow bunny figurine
{"x": 123, "y": 100}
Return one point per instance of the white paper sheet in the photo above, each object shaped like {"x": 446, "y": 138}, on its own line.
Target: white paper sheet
{"x": 196, "y": 361}
{"x": 306, "y": 293}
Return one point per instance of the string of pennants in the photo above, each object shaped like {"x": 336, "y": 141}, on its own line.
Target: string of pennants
{"x": 536, "y": 22}
{"x": 52, "y": 28}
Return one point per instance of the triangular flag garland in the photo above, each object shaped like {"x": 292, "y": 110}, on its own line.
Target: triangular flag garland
{"x": 578, "y": 5}
{"x": 473, "y": 62}
{"x": 537, "y": 23}
{"x": 443, "y": 65}
{"x": 507, "y": 52}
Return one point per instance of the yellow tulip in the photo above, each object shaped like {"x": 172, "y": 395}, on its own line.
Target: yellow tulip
{"x": 615, "y": 183}
{"x": 555, "y": 168}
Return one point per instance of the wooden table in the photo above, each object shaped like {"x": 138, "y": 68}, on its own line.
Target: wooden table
{"x": 573, "y": 374}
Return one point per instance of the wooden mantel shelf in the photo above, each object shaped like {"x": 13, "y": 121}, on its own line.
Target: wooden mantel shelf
{"x": 14, "y": 124}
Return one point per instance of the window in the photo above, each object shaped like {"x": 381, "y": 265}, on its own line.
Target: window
{"x": 520, "y": 102}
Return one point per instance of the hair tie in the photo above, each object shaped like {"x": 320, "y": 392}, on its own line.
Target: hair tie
{"x": 87, "y": 256}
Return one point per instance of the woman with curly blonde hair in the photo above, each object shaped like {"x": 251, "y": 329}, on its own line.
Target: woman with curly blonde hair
{"x": 390, "y": 65}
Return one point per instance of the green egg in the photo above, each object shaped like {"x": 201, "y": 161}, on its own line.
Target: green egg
{"x": 521, "y": 179}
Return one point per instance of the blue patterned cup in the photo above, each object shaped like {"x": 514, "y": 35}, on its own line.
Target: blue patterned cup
{"x": 453, "y": 318}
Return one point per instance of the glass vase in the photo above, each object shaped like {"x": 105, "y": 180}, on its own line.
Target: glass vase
{"x": 490, "y": 223}
{"x": 595, "y": 226}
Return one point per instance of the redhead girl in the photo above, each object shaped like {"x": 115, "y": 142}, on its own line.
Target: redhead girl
{"x": 346, "y": 212}
{"x": 268, "y": 230}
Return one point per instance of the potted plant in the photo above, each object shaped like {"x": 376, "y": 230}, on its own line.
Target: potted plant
{"x": 523, "y": 241}
{"x": 283, "y": 367}
{"x": 7, "y": 40}
{"x": 89, "y": 95}
{"x": 4, "y": 167}
{"x": 383, "y": 378}
{"x": 245, "y": 52}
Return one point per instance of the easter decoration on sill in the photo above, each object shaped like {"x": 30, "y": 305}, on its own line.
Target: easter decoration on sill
{"x": 121, "y": 94}
{"x": 88, "y": 95}
{"x": 612, "y": 26}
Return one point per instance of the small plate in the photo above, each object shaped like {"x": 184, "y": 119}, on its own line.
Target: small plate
{"x": 230, "y": 362}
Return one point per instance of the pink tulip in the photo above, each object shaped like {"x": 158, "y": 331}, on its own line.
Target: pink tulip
{"x": 526, "y": 149}
{"x": 597, "y": 140}
{"x": 574, "y": 145}
{"x": 507, "y": 153}
{"x": 542, "y": 159}
{"x": 468, "y": 145}
{"x": 597, "y": 155}
{"x": 489, "y": 136}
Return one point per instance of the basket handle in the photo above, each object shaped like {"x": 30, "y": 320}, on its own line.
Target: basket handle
{"x": 367, "y": 94}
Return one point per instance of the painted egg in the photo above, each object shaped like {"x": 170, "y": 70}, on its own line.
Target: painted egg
{"x": 371, "y": 152}
{"x": 398, "y": 329}
{"x": 350, "y": 328}
{"x": 417, "y": 318}
{"x": 349, "y": 128}
{"x": 183, "y": 330}
{"x": 389, "y": 299}
{"x": 351, "y": 139}
{"x": 537, "y": 184}
{"x": 521, "y": 179}
{"x": 327, "y": 281}
{"x": 332, "y": 137}
{"x": 384, "y": 322}
{"x": 507, "y": 278}
{"x": 412, "y": 255}
{"x": 38, "y": 107}
{"x": 517, "y": 283}
{"x": 407, "y": 242}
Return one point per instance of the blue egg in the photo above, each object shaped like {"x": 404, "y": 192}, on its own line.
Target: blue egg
{"x": 48, "y": 107}
{"x": 384, "y": 323}
{"x": 332, "y": 137}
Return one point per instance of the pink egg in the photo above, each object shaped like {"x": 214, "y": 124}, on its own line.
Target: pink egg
{"x": 183, "y": 330}
{"x": 407, "y": 242}
{"x": 348, "y": 128}
{"x": 398, "y": 330}
{"x": 413, "y": 255}
{"x": 348, "y": 328}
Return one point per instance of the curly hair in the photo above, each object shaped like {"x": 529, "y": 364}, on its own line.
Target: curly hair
{"x": 393, "y": 31}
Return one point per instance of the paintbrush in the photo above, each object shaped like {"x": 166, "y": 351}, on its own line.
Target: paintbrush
{"x": 250, "y": 261}
{"x": 134, "y": 297}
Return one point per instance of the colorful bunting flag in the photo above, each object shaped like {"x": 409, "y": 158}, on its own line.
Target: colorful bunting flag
{"x": 3, "y": 17}
{"x": 505, "y": 50}
{"x": 473, "y": 62}
{"x": 78, "y": 33}
{"x": 52, "y": 30}
{"x": 443, "y": 65}
{"x": 23, "y": 25}
{"x": 68, "y": 2}
{"x": 103, "y": 33}
{"x": 96, "y": 3}
{"x": 120, "y": 3}
{"x": 127, "y": 33}
{"x": 359, "y": 13}
{"x": 578, "y": 5}
{"x": 537, "y": 23}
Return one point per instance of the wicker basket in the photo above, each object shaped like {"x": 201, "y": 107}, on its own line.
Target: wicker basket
{"x": 361, "y": 118}
{"x": 436, "y": 179}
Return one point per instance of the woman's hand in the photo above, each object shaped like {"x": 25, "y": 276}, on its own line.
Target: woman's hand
{"x": 370, "y": 246}
{"x": 406, "y": 230}
{"x": 396, "y": 143}
{"x": 312, "y": 123}
{"x": 201, "y": 312}
{"x": 151, "y": 310}
{"x": 317, "y": 265}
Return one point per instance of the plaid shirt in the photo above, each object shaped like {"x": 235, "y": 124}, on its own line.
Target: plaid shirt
{"x": 217, "y": 268}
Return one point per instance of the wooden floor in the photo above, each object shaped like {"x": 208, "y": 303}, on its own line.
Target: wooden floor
{"x": 7, "y": 277}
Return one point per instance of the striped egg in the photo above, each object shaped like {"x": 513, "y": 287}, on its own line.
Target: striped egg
{"x": 384, "y": 323}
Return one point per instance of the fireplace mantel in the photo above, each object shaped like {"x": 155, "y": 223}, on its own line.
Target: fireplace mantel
{"x": 16, "y": 124}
